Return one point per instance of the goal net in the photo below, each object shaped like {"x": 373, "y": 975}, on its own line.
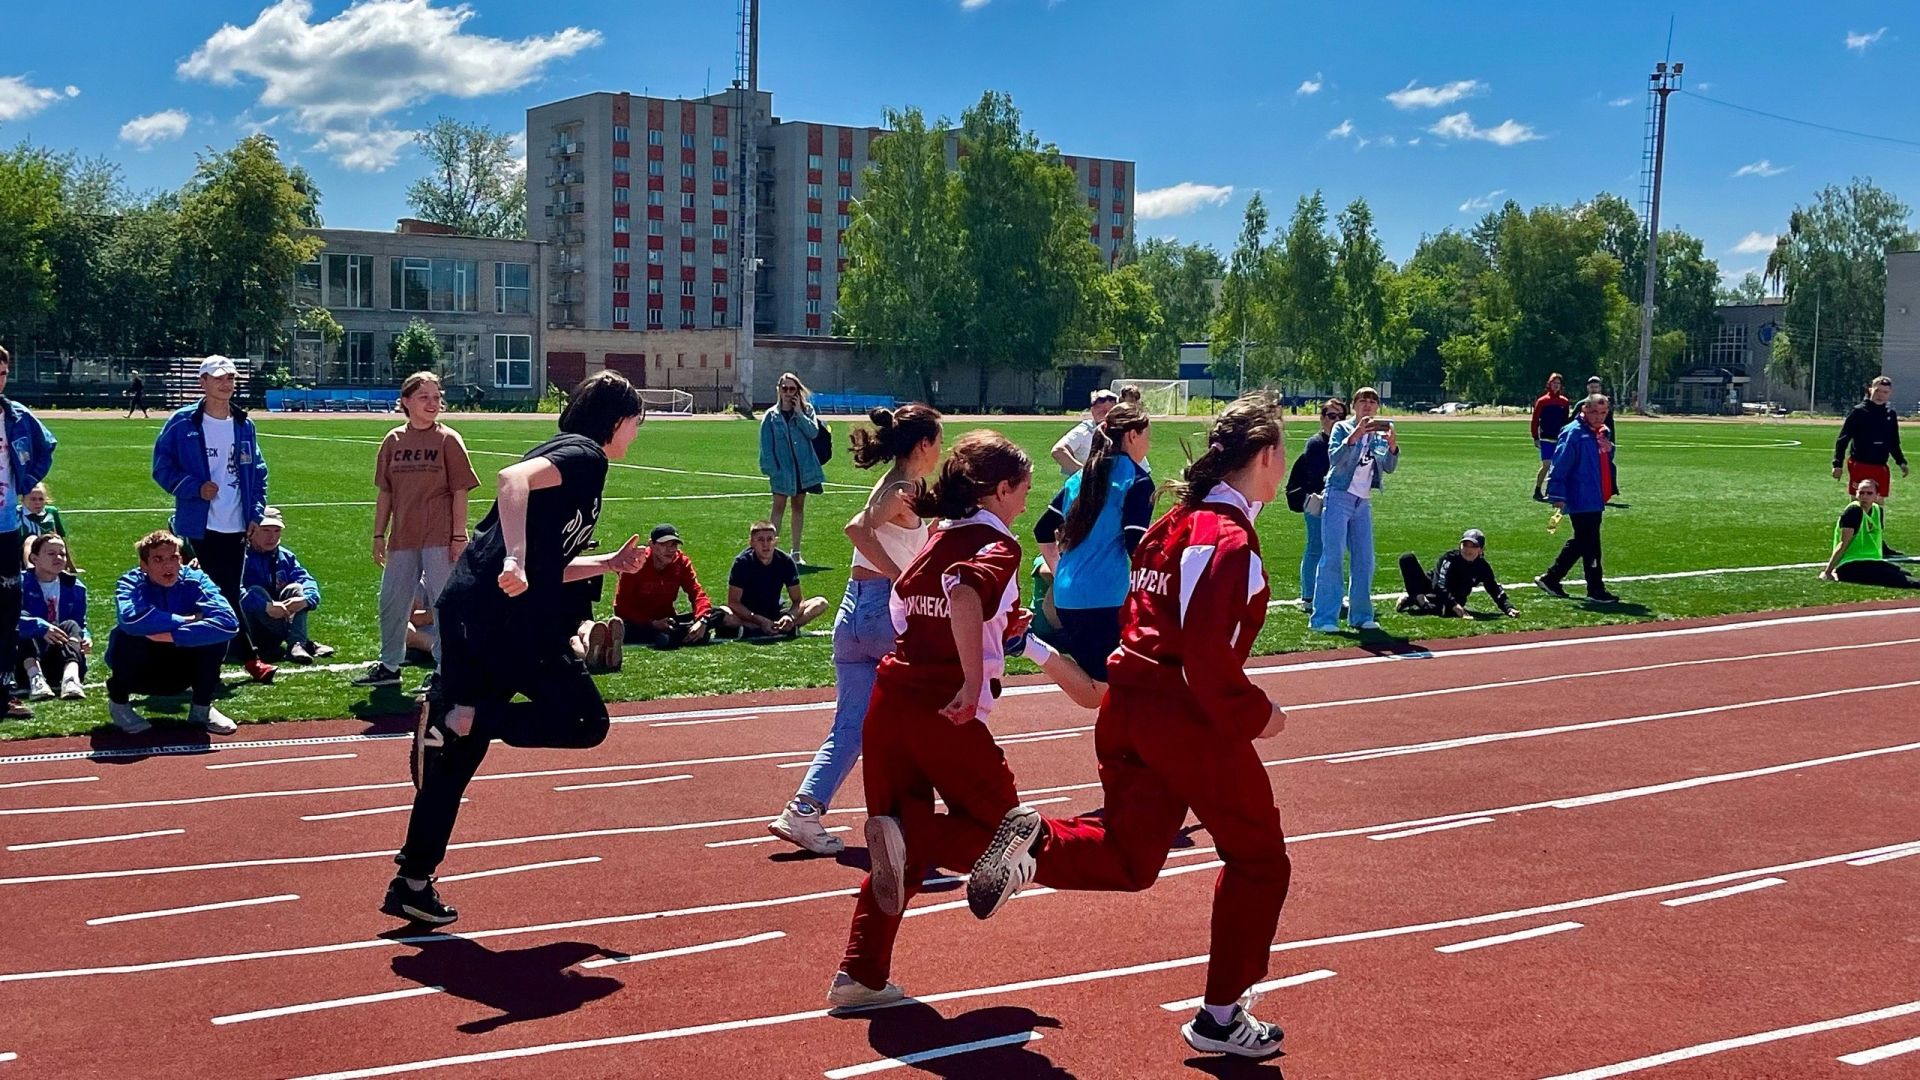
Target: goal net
{"x": 678, "y": 402}
{"x": 1159, "y": 397}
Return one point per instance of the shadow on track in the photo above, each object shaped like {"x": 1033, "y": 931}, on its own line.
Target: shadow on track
{"x": 913, "y": 1028}
{"x": 521, "y": 984}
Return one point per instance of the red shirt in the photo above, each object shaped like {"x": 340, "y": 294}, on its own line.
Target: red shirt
{"x": 980, "y": 553}
{"x": 1197, "y": 601}
{"x": 648, "y": 593}
{"x": 1550, "y": 413}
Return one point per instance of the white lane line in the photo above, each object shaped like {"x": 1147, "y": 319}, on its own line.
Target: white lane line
{"x": 281, "y": 761}
{"x": 1671, "y": 575}
{"x": 56, "y": 780}
{"x": 165, "y": 912}
{"x": 625, "y": 783}
{"x": 1688, "y": 1053}
{"x": 685, "y": 950}
{"x": 794, "y": 765}
{"x": 1502, "y": 939}
{"x": 337, "y": 815}
{"x": 768, "y": 839}
{"x": 1731, "y": 890}
{"x": 935, "y": 1054}
{"x": 9, "y": 1056}
{"x": 94, "y": 840}
{"x": 521, "y": 869}
{"x": 1881, "y": 1053}
{"x": 956, "y": 905}
{"x": 321, "y": 1006}
{"x": 1424, "y": 829}
{"x": 1889, "y": 856}
{"x": 697, "y": 723}
{"x": 1259, "y": 988}
{"x": 1023, "y": 740}
{"x": 1187, "y": 853}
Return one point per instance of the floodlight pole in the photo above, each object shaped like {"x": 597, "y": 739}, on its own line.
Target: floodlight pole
{"x": 1665, "y": 80}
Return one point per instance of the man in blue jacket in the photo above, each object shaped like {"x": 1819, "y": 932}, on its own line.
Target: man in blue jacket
{"x": 29, "y": 457}
{"x": 208, "y": 458}
{"x": 1580, "y": 485}
{"x": 276, "y": 593}
{"x": 172, "y": 635}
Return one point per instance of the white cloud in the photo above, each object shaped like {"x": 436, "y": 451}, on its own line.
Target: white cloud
{"x": 1506, "y": 133}
{"x": 1859, "y": 42}
{"x": 1182, "y": 198}
{"x": 1481, "y": 202}
{"x": 973, "y": 5}
{"x": 1345, "y": 129}
{"x": 1732, "y": 277}
{"x": 1311, "y": 86}
{"x": 19, "y": 99}
{"x": 144, "y": 131}
{"x": 1763, "y": 167}
{"x": 340, "y": 78}
{"x": 1432, "y": 97}
{"x": 1754, "y": 243}
{"x": 1620, "y": 102}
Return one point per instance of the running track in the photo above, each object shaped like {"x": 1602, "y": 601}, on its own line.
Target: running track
{"x": 1688, "y": 850}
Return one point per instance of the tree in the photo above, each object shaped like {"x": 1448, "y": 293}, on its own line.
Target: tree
{"x": 29, "y": 206}
{"x": 1438, "y": 286}
{"x": 1128, "y": 313}
{"x": 476, "y": 186}
{"x": 1374, "y": 328}
{"x": 1181, "y": 277}
{"x": 1243, "y": 321}
{"x": 243, "y": 236}
{"x": 1750, "y": 289}
{"x": 1307, "y": 312}
{"x": 417, "y": 348}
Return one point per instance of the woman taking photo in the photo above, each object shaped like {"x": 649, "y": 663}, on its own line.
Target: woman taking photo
{"x": 887, "y": 533}
{"x": 1088, "y": 534}
{"x": 1359, "y": 452}
{"x": 787, "y": 457}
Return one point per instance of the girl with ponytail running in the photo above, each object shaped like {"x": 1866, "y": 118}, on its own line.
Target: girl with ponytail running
{"x": 1089, "y": 531}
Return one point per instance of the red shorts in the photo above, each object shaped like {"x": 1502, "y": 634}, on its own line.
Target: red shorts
{"x": 1879, "y": 474}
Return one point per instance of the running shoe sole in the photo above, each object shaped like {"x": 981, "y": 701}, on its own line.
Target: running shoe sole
{"x": 992, "y": 882}
{"x": 616, "y": 643}
{"x": 887, "y": 858}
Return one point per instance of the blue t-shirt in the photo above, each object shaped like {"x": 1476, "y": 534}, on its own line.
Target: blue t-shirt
{"x": 1094, "y": 572}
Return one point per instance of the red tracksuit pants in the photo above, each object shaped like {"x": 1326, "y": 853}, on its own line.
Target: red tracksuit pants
{"x": 1158, "y": 759}
{"x": 911, "y": 753}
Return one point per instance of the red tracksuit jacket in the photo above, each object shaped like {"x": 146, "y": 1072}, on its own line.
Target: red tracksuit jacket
{"x": 1198, "y": 600}
{"x": 648, "y": 594}
{"x": 981, "y": 553}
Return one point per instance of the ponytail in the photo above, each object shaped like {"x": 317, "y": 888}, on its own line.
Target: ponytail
{"x": 980, "y": 462}
{"x": 1243, "y": 429}
{"x": 1095, "y": 474}
{"x": 894, "y": 434}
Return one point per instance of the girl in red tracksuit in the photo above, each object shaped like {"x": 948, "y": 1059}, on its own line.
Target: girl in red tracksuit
{"x": 925, "y": 729}
{"x": 1177, "y": 731}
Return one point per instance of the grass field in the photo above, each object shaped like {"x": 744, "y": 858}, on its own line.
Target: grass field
{"x": 1701, "y": 496}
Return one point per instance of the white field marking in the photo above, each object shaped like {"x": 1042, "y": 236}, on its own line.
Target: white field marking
{"x": 625, "y": 783}
{"x": 1502, "y": 939}
{"x": 956, "y": 905}
{"x": 1461, "y": 824}
{"x": 685, "y": 950}
{"x": 1040, "y": 738}
{"x": 1688, "y": 1053}
{"x": 9, "y": 1056}
{"x": 1003, "y": 989}
{"x": 281, "y": 761}
{"x": 1671, "y": 575}
{"x": 1731, "y": 890}
{"x": 337, "y": 815}
{"x": 1881, "y": 1053}
{"x": 935, "y": 1054}
{"x": 165, "y": 912}
{"x": 45, "y": 783}
{"x": 321, "y": 1006}
{"x": 1259, "y": 988}
{"x": 768, "y": 839}
{"x": 1187, "y": 853}
{"x": 189, "y": 749}
{"x": 943, "y": 802}
{"x": 94, "y": 840}
{"x": 521, "y": 869}
{"x": 1886, "y": 857}
{"x": 697, "y": 723}
{"x": 786, "y": 764}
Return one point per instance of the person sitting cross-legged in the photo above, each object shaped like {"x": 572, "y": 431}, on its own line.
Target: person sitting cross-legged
{"x": 53, "y": 623}
{"x": 276, "y": 593}
{"x": 1445, "y": 591}
{"x": 753, "y": 589}
{"x": 645, "y": 599}
{"x": 1860, "y": 553}
{"x": 172, "y": 636}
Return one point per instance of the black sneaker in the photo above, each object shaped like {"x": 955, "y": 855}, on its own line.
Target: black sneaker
{"x": 1550, "y": 587}
{"x": 430, "y": 737}
{"x": 1243, "y": 1037}
{"x": 417, "y": 905}
{"x": 1537, "y": 497}
{"x": 1602, "y": 596}
{"x": 1007, "y": 866}
{"x": 378, "y": 675}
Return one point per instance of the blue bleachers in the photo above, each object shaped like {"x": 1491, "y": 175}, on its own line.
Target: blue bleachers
{"x": 851, "y": 404}
{"x": 332, "y": 400}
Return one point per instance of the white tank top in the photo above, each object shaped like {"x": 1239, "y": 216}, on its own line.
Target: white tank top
{"x": 900, "y": 543}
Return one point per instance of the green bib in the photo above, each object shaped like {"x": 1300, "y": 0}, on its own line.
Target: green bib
{"x": 1867, "y": 541}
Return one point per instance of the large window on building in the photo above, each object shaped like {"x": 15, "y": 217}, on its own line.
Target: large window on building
{"x": 421, "y": 284}
{"x": 306, "y": 284}
{"x": 620, "y": 133}
{"x": 354, "y": 362}
{"x": 513, "y": 361}
{"x": 349, "y": 281}
{"x": 653, "y": 318}
{"x": 459, "y": 362}
{"x": 813, "y": 161}
{"x": 512, "y": 288}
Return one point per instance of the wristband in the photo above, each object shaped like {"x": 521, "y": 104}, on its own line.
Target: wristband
{"x": 1037, "y": 650}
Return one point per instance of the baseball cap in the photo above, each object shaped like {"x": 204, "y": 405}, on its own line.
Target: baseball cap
{"x": 665, "y": 534}
{"x": 273, "y": 519}
{"x": 216, "y": 366}
{"x": 1104, "y": 395}
{"x": 1474, "y": 537}
{"x": 1591, "y": 379}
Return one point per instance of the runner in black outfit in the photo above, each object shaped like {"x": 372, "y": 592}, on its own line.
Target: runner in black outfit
{"x": 505, "y": 617}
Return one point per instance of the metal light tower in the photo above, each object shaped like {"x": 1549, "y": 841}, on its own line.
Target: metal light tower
{"x": 746, "y": 83}
{"x": 1664, "y": 81}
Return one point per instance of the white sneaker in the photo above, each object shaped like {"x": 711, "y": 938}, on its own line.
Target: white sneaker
{"x": 887, "y": 864}
{"x": 1243, "y": 1037}
{"x": 70, "y": 687}
{"x": 1008, "y": 865}
{"x": 213, "y": 720}
{"x": 846, "y": 993}
{"x": 1370, "y": 624}
{"x": 126, "y": 719}
{"x": 800, "y": 826}
{"x": 37, "y": 688}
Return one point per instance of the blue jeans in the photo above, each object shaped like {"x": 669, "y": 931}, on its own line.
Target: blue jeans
{"x": 1310, "y": 557}
{"x": 266, "y": 630}
{"x": 1346, "y": 530}
{"x": 862, "y": 636}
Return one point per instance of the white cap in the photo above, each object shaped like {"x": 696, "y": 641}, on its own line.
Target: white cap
{"x": 216, "y": 366}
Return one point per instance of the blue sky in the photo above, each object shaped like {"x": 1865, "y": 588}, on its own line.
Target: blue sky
{"x": 1428, "y": 110}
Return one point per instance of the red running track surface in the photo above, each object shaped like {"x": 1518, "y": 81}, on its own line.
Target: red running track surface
{"x": 1489, "y": 788}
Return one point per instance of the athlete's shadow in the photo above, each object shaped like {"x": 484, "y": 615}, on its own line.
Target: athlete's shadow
{"x": 522, "y": 984}
{"x": 913, "y": 1028}
{"x": 1231, "y": 1068}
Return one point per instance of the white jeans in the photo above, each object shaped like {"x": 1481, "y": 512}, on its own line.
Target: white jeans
{"x": 400, "y": 583}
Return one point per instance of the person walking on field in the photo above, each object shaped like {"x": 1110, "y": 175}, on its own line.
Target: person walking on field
{"x": 1860, "y": 553}
{"x": 1178, "y": 732}
{"x": 137, "y": 396}
{"x": 1580, "y": 485}
{"x": 1306, "y": 495}
{"x": 504, "y": 620}
{"x": 887, "y": 534}
{"x": 1869, "y": 436}
{"x": 1359, "y": 452}
{"x": 787, "y": 456}
{"x": 1551, "y": 411}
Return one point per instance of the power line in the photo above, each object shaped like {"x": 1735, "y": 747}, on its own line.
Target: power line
{"x": 1909, "y": 144}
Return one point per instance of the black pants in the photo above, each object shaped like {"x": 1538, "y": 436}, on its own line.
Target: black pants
{"x": 1089, "y": 636}
{"x": 563, "y": 709}
{"x": 145, "y": 666}
{"x": 53, "y": 658}
{"x": 9, "y": 606}
{"x": 223, "y": 556}
{"x": 1584, "y": 547}
{"x": 1421, "y": 599}
{"x": 683, "y": 624}
{"x": 1876, "y": 572}
{"x": 139, "y": 402}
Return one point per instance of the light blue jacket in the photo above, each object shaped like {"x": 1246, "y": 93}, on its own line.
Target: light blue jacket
{"x": 29, "y": 458}
{"x": 145, "y": 608}
{"x": 786, "y": 451}
{"x": 1343, "y": 456}
{"x": 180, "y": 468}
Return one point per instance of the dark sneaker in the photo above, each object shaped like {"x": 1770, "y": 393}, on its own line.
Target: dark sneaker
{"x": 417, "y": 905}
{"x": 1007, "y": 866}
{"x": 1537, "y": 497}
{"x": 1243, "y": 1037}
{"x": 1550, "y": 587}
{"x": 430, "y": 737}
{"x": 17, "y": 710}
{"x": 1602, "y": 596}
{"x": 378, "y": 675}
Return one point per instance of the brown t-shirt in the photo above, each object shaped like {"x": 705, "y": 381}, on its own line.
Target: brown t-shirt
{"x": 420, "y": 470}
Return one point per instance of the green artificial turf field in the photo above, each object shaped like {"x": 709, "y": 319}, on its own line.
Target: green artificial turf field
{"x": 1701, "y": 496}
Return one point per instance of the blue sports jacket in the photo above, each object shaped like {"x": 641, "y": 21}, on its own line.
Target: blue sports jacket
{"x": 72, "y": 605}
{"x": 180, "y": 468}
{"x": 145, "y": 608}
{"x": 271, "y": 571}
{"x": 1575, "y": 479}
{"x": 29, "y": 458}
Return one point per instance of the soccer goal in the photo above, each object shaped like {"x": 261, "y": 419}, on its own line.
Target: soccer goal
{"x": 676, "y": 402}
{"x": 1159, "y": 397}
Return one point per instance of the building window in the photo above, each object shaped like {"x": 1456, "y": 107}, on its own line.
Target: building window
{"x": 686, "y": 140}
{"x": 813, "y": 221}
{"x": 719, "y": 142}
{"x": 512, "y": 291}
{"x": 813, "y": 331}
{"x": 655, "y": 137}
{"x": 620, "y": 255}
{"x": 686, "y": 229}
{"x": 653, "y": 257}
{"x": 655, "y": 198}
{"x": 720, "y": 259}
{"x": 620, "y": 315}
{"x": 720, "y": 174}
{"x": 813, "y": 191}
{"x": 719, "y": 318}
{"x": 813, "y": 277}
{"x": 653, "y": 318}
{"x": 720, "y": 202}
{"x": 653, "y": 226}
{"x": 349, "y": 282}
{"x": 620, "y": 195}
{"x": 306, "y": 284}
{"x": 846, "y": 164}
{"x": 846, "y": 192}
{"x": 686, "y": 170}
{"x": 843, "y": 222}
{"x": 813, "y": 249}
{"x": 458, "y": 356}
{"x": 356, "y": 363}
{"x": 653, "y": 286}
{"x": 813, "y": 307}
{"x": 1117, "y": 219}
{"x": 720, "y": 232}
{"x": 813, "y": 161}
{"x": 513, "y": 361}
{"x": 686, "y": 288}
{"x": 620, "y": 133}
{"x": 686, "y": 200}
{"x": 621, "y": 163}
{"x": 621, "y": 225}
{"x": 719, "y": 288}
{"x": 419, "y": 284}
{"x": 686, "y": 320}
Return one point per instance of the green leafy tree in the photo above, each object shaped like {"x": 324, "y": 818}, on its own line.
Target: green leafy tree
{"x": 417, "y": 348}
{"x": 243, "y": 236}
{"x": 1243, "y": 320}
{"x": 1181, "y": 277}
{"x": 475, "y": 184}
{"x": 1438, "y": 286}
{"x": 1128, "y": 312}
{"x": 1306, "y": 286}
{"x": 30, "y": 185}
{"x": 1375, "y": 332}
{"x": 1750, "y": 289}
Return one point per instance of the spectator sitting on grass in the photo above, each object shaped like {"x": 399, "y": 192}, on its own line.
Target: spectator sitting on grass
{"x": 172, "y": 636}
{"x": 39, "y": 516}
{"x": 645, "y": 598}
{"x": 754, "y": 584}
{"x": 1860, "y": 552}
{"x": 53, "y": 623}
{"x": 276, "y": 593}
{"x": 1445, "y": 591}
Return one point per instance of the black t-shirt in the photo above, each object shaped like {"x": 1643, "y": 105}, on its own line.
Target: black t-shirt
{"x": 1851, "y": 517}
{"x": 762, "y": 585}
{"x": 560, "y": 523}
